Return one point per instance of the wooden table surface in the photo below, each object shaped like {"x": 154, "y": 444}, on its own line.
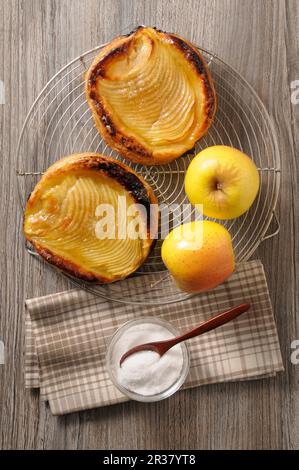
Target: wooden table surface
{"x": 261, "y": 40}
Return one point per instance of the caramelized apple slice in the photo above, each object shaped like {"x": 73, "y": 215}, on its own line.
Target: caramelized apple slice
{"x": 151, "y": 95}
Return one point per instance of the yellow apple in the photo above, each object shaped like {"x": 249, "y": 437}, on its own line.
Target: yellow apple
{"x": 224, "y": 180}
{"x": 199, "y": 255}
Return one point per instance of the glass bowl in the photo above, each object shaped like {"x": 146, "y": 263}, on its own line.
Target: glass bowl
{"x": 110, "y": 362}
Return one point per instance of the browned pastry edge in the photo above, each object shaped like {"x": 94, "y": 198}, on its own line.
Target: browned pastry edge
{"x": 68, "y": 266}
{"x": 132, "y": 182}
{"x": 128, "y": 146}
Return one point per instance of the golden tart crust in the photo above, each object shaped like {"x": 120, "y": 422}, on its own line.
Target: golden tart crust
{"x": 61, "y": 215}
{"x": 151, "y": 95}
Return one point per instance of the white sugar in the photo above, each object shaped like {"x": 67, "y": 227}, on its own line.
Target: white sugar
{"x": 145, "y": 372}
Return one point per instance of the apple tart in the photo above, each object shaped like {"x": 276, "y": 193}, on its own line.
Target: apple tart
{"x": 151, "y": 95}
{"x": 84, "y": 216}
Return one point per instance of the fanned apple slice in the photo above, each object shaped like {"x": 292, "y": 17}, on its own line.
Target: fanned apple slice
{"x": 62, "y": 214}
{"x": 151, "y": 95}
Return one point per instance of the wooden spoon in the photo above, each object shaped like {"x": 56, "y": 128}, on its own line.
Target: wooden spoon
{"x": 161, "y": 347}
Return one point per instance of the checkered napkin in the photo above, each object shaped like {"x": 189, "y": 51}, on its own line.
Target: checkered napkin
{"x": 67, "y": 335}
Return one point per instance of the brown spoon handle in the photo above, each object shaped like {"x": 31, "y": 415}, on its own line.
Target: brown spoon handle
{"x": 211, "y": 324}
{"x": 161, "y": 347}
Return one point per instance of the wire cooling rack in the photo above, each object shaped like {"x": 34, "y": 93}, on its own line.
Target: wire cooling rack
{"x": 60, "y": 123}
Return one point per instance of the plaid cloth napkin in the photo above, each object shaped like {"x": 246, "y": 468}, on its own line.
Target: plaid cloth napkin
{"x": 67, "y": 335}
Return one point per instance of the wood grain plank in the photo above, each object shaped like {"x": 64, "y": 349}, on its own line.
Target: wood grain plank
{"x": 260, "y": 39}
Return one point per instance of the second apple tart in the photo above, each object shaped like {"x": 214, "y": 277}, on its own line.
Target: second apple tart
{"x": 151, "y": 95}
{"x": 66, "y": 218}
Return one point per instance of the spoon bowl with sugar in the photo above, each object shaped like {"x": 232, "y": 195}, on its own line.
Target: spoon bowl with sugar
{"x": 161, "y": 347}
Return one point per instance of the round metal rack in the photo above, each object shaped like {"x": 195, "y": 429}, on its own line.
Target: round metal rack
{"x": 60, "y": 123}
